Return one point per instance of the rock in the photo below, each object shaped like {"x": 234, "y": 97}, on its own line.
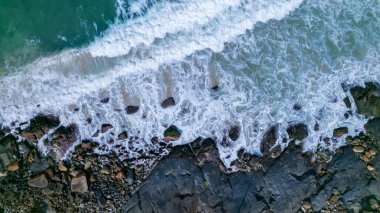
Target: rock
{"x": 234, "y": 133}
{"x": 63, "y": 139}
{"x": 119, "y": 175}
{"x": 47, "y": 191}
{"x": 13, "y": 166}
{"x": 105, "y": 170}
{"x": 373, "y": 129}
{"x": 79, "y": 184}
{"x": 122, "y": 136}
{"x": 168, "y": 102}
{"x": 132, "y": 109}
{"x": 62, "y": 167}
{"x": 367, "y": 99}
{"x": 154, "y": 140}
{"x": 58, "y": 188}
{"x": 105, "y": 100}
{"x": 358, "y": 149}
{"x": 370, "y": 168}
{"x": 339, "y": 132}
{"x": 87, "y": 165}
{"x": 106, "y": 127}
{"x": 39, "y": 125}
{"x": 39, "y": 181}
{"x": 269, "y": 139}
{"x": 297, "y": 107}
{"x": 57, "y": 177}
{"x": 297, "y": 131}
{"x": 172, "y": 133}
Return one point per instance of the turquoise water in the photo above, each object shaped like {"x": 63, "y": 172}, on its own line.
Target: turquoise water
{"x": 264, "y": 56}
{"x": 30, "y": 29}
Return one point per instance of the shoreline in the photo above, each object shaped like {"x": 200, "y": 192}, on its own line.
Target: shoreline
{"x": 52, "y": 184}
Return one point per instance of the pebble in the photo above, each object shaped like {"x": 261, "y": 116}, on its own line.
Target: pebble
{"x": 373, "y": 152}
{"x": 370, "y": 168}
{"x": 39, "y": 181}
{"x": 13, "y": 166}
{"x": 358, "y": 149}
{"x": 62, "y": 167}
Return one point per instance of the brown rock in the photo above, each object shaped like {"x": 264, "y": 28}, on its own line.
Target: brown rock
{"x": 13, "y": 166}
{"x": 105, "y": 170}
{"x": 79, "y": 184}
{"x": 358, "y": 149}
{"x": 39, "y": 181}
{"x": 106, "y": 127}
{"x": 62, "y": 167}
{"x": 122, "y": 136}
{"x": 119, "y": 175}
{"x": 234, "y": 133}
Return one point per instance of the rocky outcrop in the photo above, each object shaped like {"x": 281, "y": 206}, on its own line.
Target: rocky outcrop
{"x": 39, "y": 126}
{"x": 178, "y": 184}
{"x": 367, "y": 99}
{"x": 297, "y": 131}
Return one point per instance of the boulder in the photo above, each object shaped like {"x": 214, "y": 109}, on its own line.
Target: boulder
{"x": 367, "y": 99}
{"x": 339, "y": 132}
{"x": 79, "y": 184}
{"x": 132, "y": 109}
{"x": 39, "y": 126}
{"x": 269, "y": 139}
{"x": 168, "y": 102}
{"x": 234, "y": 133}
{"x": 297, "y": 131}
{"x": 172, "y": 133}
{"x": 106, "y": 127}
{"x": 122, "y": 136}
{"x": 39, "y": 181}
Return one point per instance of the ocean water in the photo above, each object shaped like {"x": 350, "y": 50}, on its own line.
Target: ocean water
{"x": 264, "y": 56}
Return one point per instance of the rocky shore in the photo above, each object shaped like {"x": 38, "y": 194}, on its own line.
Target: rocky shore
{"x": 191, "y": 178}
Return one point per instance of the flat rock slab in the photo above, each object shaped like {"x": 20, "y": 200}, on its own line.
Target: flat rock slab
{"x": 79, "y": 184}
{"x": 39, "y": 181}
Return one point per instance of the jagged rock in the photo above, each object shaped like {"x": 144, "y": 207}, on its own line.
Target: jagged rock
{"x": 269, "y": 139}
{"x": 234, "y": 133}
{"x": 106, "y": 127}
{"x": 367, "y": 99}
{"x": 172, "y": 133}
{"x": 339, "y": 132}
{"x": 105, "y": 100}
{"x": 132, "y": 109}
{"x": 63, "y": 139}
{"x": 62, "y": 167}
{"x": 79, "y": 184}
{"x": 39, "y": 181}
{"x": 168, "y": 102}
{"x": 122, "y": 136}
{"x": 39, "y": 126}
{"x": 297, "y": 131}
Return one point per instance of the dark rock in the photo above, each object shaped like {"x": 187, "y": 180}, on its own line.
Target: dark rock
{"x": 234, "y": 133}
{"x": 373, "y": 129}
{"x": 347, "y": 102}
{"x": 105, "y": 100}
{"x": 122, "y": 136}
{"x": 339, "y": 132}
{"x": 154, "y": 140}
{"x": 297, "y": 107}
{"x": 106, "y": 127}
{"x": 39, "y": 181}
{"x": 172, "y": 133}
{"x": 168, "y": 102}
{"x": 63, "y": 139}
{"x": 269, "y": 139}
{"x": 215, "y": 88}
{"x": 367, "y": 99}
{"x": 132, "y": 109}
{"x": 39, "y": 126}
{"x": 297, "y": 131}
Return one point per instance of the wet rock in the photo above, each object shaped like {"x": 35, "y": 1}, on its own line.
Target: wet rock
{"x": 297, "y": 107}
{"x": 269, "y": 139}
{"x": 234, "y": 133}
{"x": 105, "y": 100}
{"x": 122, "y": 136}
{"x": 63, "y": 139}
{"x": 132, "y": 109}
{"x": 172, "y": 133}
{"x": 106, "y": 127}
{"x": 339, "y": 132}
{"x": 79, "y": 184}
{"x": 373, "y": 129}
{"x": 367, "y": 99}
{"x": 62, "y": 167}
{"x": 168, "y": 102}
{"x": 39, "y": 126}
{"x": 39, "y": 181}
{"x": 297, "y": 131}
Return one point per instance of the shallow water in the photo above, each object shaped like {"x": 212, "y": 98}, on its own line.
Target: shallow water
{"x": 264, "y": 56}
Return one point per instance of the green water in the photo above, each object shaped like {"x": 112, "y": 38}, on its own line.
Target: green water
{"x": 32, "y": 28}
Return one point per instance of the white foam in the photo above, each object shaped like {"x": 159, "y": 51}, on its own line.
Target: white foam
{"x": 184, "y": 48}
